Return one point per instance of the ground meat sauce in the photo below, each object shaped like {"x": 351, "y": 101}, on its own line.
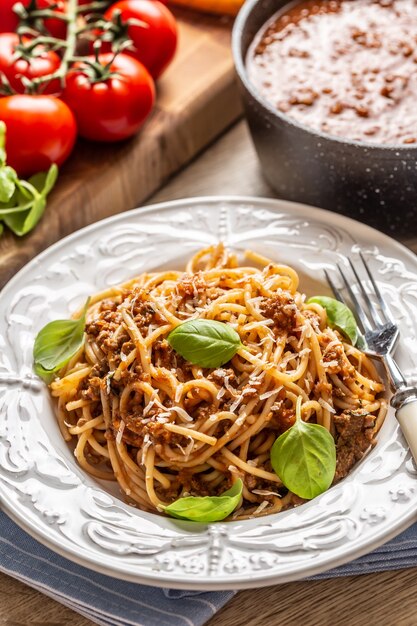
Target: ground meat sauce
{"x": 354, "y": 436}
{"x": 282, "y": 309}
{"x": 347, "y": 68}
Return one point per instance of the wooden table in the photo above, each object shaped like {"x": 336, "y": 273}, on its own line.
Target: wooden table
{"x": 387, "y": 599}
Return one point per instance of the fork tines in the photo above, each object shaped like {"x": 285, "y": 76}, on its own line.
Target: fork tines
{"x": 373, "y": 316}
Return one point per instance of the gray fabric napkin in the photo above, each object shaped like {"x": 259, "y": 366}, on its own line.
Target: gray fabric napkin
{"x": 114, "y": 602}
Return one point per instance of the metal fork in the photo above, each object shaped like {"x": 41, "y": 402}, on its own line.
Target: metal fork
{"x": 381, "y": 335}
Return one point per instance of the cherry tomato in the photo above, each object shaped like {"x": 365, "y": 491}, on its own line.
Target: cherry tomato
{"x": 41, "y": 130}
{"x": 56, "y": 27}
{"x": 155, "y": 45}
{"x": 44, "y": 62}
{"x": 9, "y": 20}
{"x": 114, "y": 107}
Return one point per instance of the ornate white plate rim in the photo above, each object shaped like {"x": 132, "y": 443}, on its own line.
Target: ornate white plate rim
{"x": 325, "y": 533}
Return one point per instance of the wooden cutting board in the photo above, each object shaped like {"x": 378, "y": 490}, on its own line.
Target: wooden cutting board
{"x": 197, "y": 99}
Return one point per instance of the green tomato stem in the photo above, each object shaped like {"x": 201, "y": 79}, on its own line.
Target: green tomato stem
{"x": 69, "y": 45}
{"x": 48, "y": 13}
{"x": 99, "y": 5}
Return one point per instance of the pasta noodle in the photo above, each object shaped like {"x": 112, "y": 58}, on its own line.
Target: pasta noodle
{"x": 163, "y": 428}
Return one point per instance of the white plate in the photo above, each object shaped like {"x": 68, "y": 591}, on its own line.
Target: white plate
{"x": 49, "y": 496}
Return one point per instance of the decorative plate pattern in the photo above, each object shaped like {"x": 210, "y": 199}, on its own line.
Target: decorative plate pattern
{"x": 43, "y": 489}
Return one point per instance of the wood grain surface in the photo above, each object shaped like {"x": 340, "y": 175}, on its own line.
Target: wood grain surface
{"x": 384, "y": 599}
{"x": 197, "y": 99}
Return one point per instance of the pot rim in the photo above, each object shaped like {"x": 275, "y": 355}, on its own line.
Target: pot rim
{"x": 239, "y": 28}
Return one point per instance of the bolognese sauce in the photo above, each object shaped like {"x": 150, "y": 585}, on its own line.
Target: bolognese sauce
{"x": 347, "y": 68}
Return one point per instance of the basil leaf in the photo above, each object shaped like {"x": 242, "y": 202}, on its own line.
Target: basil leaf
{"x": 304, "y": 457}
{"x": 207, "y": 343}
{"x": 45, "y": 181}
{"x": 339, "y": 316}
{"x": 10, "y": 206}
{"x": 8, "y": 178}
{"x": 57, "y": 343}
{"x": 21, "y": 222}
{"x": 207, "y": 508}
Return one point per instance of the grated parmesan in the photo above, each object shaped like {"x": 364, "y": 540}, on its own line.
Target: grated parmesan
{"x": 108, "y": 382}
{"x": 268, "y": 394}
{"x": 154, "y": 401}
{"x": 259, "y": 323}
{"x": 178, "y": 393}
{"x": 221, "y": 393}
{"x": 327, "y": 364}
{"x": 326, "y": 405}
{"x": 147, "y": 443}
{"x": 181, "y": 413}
{"x": 334, "y": 342}
{"x": 305, "y": 333}
{"x": 265, "y": 492}
{"x": 229, "y": 386}
{"x": 260, "y": 508}
{"x": 188, "y": 449}
{"x": 120, "y": 432}
{"x": 235, "y": 404}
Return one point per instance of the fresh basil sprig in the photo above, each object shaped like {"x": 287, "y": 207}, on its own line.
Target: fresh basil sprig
{"x": 8, "y": 180}
{"x": 57, "y": 343}
{"x": 22, "y": 202}
{"x": 339, "y": 316}
{"x": 304, "y": 457}
{"x": 207, "y": 343}
{"x": 207, "y": 508}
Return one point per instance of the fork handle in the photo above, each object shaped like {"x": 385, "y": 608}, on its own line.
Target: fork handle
{"x": 405, "y": 402}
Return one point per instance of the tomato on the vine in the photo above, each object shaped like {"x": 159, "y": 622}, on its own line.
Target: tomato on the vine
{"x": 111, "y": 102}
{"x": 154, "y": 45}
{"x": 9, "y": 20}
{"x": 14, "y": 67}
{"x": 56, "y": 27}
{"x": 41, "y": 130}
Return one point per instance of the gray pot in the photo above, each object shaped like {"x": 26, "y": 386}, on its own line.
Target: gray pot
{"x": 376, "y": 184}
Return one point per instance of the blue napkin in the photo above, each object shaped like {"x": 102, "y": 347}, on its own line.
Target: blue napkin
{"x": 114, "y": 602}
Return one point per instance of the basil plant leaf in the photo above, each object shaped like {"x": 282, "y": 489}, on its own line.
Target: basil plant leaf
{"x": 207, "y": 508}
{"x": 339, "y": 316}
{"x": 11, "y": 206}
{"x": 304, "y": 458}
{"x": 8, "y": 178}
{"x": 44, "y": 182}
{"x": 22, "y": 222}
{"x": 207, "y": 343}
{"x": 57, "y": 343}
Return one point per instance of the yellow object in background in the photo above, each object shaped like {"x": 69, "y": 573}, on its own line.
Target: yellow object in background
{"x": 221, "y": 7}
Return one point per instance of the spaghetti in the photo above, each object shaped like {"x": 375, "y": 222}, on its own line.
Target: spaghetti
{"x": 164, "y": 428}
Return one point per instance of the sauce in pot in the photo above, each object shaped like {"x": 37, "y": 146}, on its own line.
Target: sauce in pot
{"x": 347, "y": 68}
